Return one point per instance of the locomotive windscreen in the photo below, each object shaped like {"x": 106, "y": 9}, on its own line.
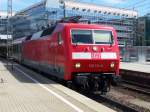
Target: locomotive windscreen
{"x": 91, "y": 37}
{"x": 82, "y": 36}
{"x": 102, "y": 37}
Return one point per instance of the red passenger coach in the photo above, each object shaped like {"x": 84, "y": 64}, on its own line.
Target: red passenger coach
{"x": 84, "y": 54}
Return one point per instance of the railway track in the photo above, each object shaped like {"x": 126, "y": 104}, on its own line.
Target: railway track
{"x": 143, "y": 89}
{"x": 136, "y": 78}
{"x": 110, "y": 102}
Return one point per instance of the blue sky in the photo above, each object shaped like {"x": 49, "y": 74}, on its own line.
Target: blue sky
{"x": 142, "y": 6}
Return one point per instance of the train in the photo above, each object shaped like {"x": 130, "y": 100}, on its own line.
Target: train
{"x": 86, "y": 55}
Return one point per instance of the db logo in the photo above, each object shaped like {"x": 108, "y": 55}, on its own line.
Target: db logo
{"x": 96, "y": 55}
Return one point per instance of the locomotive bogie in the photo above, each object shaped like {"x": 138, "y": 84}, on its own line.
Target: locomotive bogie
{"x": 93, "y": 81}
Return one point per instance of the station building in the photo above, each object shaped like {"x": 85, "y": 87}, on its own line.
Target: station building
{"x": 143, "y": 30}
{"x": 3, "y": 23}
{"x": 4, "y": 29}
{"x": 5, "y": 34}
{"x": 47, "y": 12}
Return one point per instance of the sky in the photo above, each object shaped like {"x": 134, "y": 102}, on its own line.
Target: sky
{"x": 142, "y": 6}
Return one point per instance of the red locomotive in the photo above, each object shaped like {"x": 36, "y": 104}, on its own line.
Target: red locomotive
{"x": 83, "y": 54}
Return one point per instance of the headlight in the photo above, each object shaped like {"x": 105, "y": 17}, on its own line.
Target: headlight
{"x": 112, "y": 65}
{"x": 77, "y": 65}
{"x": 95, "y": 48}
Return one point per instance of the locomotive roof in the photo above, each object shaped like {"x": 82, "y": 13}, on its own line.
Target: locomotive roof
{"x": 49, "y": 30}
{"x": 90, "y": 26}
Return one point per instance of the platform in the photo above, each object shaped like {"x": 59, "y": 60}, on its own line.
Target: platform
{"x": 23, "y": 90}
{"x": 138, "y": 67}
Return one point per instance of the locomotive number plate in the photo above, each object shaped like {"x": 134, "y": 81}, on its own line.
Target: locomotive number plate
{"x": 95, "y": 55}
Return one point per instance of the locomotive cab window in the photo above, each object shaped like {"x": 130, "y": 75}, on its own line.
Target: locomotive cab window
{"x": 91, "y": 37}
{"x": 102, "y": 37}
{"x": 82, "y": 36}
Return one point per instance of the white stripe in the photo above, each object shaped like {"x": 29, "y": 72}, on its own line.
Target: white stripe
{"x": 108, "y": 55}
{"x": 52, "y": 92}
{"x": 81, "y": 55}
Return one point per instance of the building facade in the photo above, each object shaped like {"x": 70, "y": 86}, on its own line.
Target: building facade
{"x": 3, "y": 23}
{"x": 143, "y": 31}
{"x": 47, "y": 12}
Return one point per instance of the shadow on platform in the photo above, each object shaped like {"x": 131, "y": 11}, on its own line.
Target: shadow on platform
{"x": 17, "y": 73}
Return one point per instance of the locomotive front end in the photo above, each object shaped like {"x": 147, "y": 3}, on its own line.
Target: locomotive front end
{"x": 95, "y": 58}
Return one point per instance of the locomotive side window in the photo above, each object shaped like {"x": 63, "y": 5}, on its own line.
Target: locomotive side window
{"x": 82, "y": 36}
{"x": 36, "y": 35}
{"x": 48, "y": 31}
{"x": 102, "y": 37}
{"x": 28, "y": 37}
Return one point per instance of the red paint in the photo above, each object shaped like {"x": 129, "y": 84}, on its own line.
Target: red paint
{"x": 47, "y": 50}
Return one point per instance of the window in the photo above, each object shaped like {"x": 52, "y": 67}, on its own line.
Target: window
{"x": 48, "y": 31}
{"x": 28, "y": 37}
{"x": 83, "y": 9}
{"x": 77, "y": 8}
{"x": 105, "y": 12}
{"x": 91, "y": 37}
{"x": 95, "y": 11}
{"x": 88, "y": 10}
{"x": 82, "y": 36}
{"x": 36, "y": 35}
{"x": 102, "y": 37}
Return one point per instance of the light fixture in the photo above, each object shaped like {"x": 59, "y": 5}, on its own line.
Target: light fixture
{"x": 77, "y": 65}
{"x": 112, "y": 65}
